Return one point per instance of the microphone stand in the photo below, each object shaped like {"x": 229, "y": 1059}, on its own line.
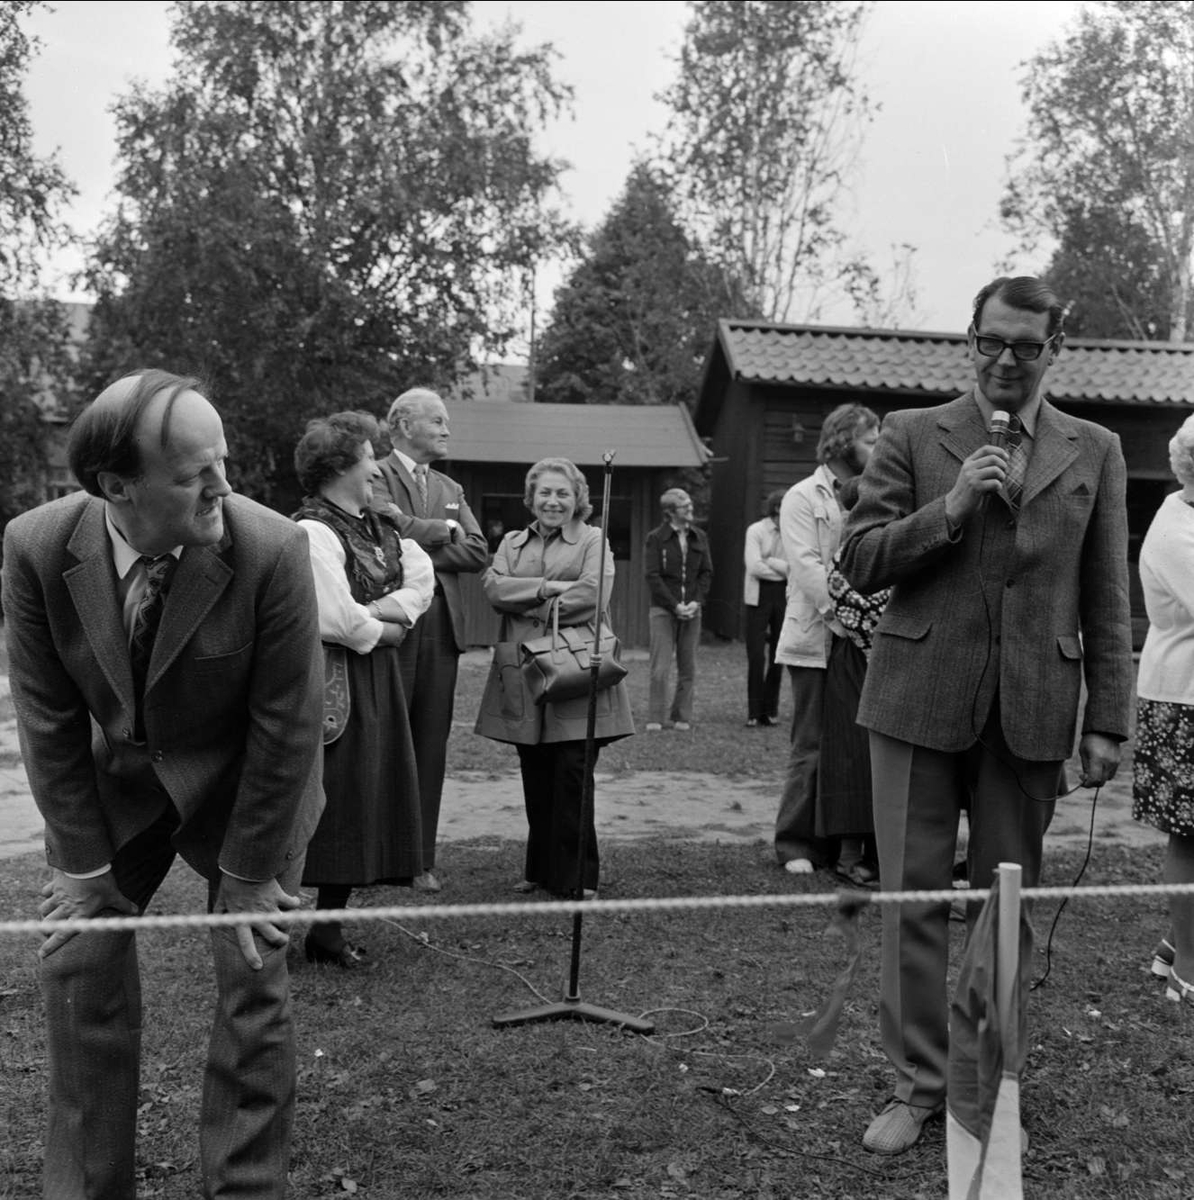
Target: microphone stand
{"x": 571, "y": 1007}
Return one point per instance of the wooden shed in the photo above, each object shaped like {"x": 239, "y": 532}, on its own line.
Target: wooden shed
{"x": 767, "y": 388}
{"x": 494, "y": 443}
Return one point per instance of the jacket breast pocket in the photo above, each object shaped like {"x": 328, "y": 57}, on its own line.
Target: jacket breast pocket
{"x": 222, "y": 662}
{"x": 1070, "y": 647}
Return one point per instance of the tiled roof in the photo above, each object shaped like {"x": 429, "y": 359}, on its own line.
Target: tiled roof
{"x": 936, "y": 364}
{"x": 501, "y": 431}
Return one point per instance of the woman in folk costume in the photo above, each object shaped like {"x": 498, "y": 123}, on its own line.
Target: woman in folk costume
{"x": 372, "y": 585}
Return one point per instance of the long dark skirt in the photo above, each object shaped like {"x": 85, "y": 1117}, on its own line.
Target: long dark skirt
{"x": 553, "y": 778}
{"x": 844, "y": 778}
{"x": 371, "y": 829}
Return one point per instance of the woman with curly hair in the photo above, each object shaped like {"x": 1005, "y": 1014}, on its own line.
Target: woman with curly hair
{"x": 555, "y": 562}
{"x": 1163, "y": 778}
{"x": 371, "y": 586}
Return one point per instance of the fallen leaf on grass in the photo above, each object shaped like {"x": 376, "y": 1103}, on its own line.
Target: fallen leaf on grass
{"x": 1097, "y": 1165}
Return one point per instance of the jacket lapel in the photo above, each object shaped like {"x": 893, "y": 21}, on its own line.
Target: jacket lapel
{"x": 92, "y": 586}
{"x": 961, "y": 426}
{"x": 400, "y": 478}
{"x": 1055, "y": 448}
{"x": 199, "y": 581}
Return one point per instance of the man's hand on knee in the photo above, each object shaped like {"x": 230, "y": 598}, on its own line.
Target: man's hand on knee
{"x": 67, "y": 899}
{"x": 242, "y": 895}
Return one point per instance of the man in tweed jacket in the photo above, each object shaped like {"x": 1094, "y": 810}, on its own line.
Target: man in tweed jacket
{"x": 216, "y": 756}
{"x": 1010, "y": 584}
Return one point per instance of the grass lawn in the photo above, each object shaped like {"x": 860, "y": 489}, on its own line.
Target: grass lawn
{"x": 406, "y": 1090}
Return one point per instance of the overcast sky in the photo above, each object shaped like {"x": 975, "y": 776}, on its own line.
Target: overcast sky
{"x": 932, "y": 168}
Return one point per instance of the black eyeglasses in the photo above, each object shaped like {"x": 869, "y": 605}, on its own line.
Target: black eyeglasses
{"x": 993, "y": 347}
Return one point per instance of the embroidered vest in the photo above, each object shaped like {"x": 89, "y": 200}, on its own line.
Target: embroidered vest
{"x": 372, "y": 547}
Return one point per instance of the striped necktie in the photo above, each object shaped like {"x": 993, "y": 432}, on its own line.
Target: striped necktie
{"x": 1017, "y": 463}
{"x": 146, "y": 620}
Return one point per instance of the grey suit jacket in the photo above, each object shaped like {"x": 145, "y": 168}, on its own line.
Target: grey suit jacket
{"x": 233, "y": 702}
{"x": 1022, "y": 604}
{"x": 428, "y": 527}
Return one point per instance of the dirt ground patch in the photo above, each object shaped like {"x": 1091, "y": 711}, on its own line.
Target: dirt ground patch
{"x": 683, "y": 805}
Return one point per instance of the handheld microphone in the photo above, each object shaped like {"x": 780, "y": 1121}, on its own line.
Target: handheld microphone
{"x": 1001, "y": 427}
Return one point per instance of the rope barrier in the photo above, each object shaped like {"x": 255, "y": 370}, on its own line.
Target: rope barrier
{"x": 595, "y": 908}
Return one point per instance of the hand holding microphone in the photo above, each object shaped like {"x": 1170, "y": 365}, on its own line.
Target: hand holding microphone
{"x": 982, "y": 473}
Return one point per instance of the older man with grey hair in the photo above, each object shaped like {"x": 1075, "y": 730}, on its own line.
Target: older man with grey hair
{"x": 435, "y": 514}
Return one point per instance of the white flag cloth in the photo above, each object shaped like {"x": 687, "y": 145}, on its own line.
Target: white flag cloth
{"x": 986, "y": 1053}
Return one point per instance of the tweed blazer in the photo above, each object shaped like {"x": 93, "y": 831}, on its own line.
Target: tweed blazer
{"x": 233, "y": 703}
{"x": 445, "y": 498}
{"x": 1020, "y": 603}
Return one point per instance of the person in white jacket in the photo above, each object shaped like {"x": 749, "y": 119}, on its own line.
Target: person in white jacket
{"x": 1163, "y": 770}
{"x": 810, "y": 525}
{"x": 765, "y": 596}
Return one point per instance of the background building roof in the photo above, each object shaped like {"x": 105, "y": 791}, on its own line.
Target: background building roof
{"x": 935, "y": 365}
{"x": 500, "y": 431}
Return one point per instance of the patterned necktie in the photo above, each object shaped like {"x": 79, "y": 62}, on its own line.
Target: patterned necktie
{"x": 1017, "y": 463}
{"x": 421, "y": 481}
{"x": 145, "y": 625}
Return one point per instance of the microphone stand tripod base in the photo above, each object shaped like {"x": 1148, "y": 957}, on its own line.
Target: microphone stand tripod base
{"x": 574, "y": 1009}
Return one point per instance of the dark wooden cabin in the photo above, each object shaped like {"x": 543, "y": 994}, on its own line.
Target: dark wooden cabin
{"x": 767, "y": 388}
{"x": 494, "y": 443}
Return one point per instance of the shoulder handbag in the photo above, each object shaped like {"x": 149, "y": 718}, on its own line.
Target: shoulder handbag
{"x": 558, "y": 665}
{"x": 337, "y": 698}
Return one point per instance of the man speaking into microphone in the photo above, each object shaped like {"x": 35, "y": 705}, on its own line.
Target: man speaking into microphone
{"x": 1000, "y": 523}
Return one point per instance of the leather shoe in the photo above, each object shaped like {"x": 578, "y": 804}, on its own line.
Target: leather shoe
{"x": 1179, "y": 991}
{"x": 525, "y": 886}
{"x": 1162, "y": 960}
{"x": 426, "y": 882}
{"x": 859, "y": 875}
{"x": 898, "y": 1127}
{"x": 654, "y": 727}
{"x": 346, "y": 956}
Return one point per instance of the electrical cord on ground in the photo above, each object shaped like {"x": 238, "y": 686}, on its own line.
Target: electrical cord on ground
{"x": 423, "y": 940}
{"x": 426, "y": 943}
{"x": 723, "y": 1102}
